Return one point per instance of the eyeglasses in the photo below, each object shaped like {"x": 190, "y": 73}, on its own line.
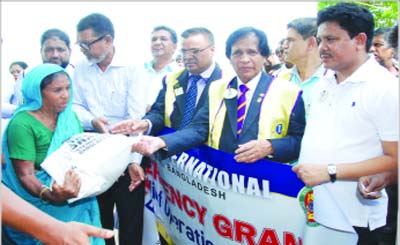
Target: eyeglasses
{"x": 194, "y": 51}
{"x": 87, "y": 45}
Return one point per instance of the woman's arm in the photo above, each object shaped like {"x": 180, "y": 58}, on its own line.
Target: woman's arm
{"x": 26, "y": 174}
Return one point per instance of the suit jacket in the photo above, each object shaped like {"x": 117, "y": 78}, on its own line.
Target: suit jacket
{"x": 183, "y": 139}
{"x": 285, "y": 149}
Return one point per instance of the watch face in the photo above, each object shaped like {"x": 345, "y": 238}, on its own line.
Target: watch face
{"x": 331, "y": 169}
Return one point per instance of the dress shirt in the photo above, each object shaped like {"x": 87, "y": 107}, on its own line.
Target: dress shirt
{"x": 201, "y": 84}
{"x": 154, "y": 79}
{"x": 307, "y": 85}
{"x": 116, "y": 94}
{"x": 252, "y": 85}
{"x": 346, "y": 124}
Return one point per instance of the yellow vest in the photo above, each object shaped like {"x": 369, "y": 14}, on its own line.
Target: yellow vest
{"x": 173, "y": 89}
{"x": 275, "y": 111}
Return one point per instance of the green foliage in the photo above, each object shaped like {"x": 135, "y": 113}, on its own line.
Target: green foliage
{"x": 385, "y": 12}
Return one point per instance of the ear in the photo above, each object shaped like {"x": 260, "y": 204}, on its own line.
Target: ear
{"x": 361, "y": 40}
{"x": 312, "y": 42}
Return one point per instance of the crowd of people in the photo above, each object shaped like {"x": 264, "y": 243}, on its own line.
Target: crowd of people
{"x": 329, "y": 107}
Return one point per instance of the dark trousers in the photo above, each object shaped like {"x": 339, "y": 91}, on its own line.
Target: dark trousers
{"x": 367, "y": 237}
{"x": 130, "y": 206}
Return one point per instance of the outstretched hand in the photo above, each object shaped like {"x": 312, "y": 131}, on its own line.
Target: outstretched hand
{"x": 130, "y": 126}
{"x": 147, "y": 145}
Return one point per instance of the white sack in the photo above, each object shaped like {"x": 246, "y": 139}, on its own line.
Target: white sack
{"x": 98, "y": 159}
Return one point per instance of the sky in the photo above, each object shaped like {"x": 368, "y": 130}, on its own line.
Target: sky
{"x": 22, "y": 24}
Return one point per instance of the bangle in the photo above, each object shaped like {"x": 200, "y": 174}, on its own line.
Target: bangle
{"x": 44, "y": 189}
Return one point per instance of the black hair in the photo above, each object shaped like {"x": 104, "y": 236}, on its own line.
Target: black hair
{"x": 99, "y": 23}
{"x": 352, "y": 18}
{"x": 394, "y": 37}
{"x": 55, "y": 33}
{"x": 174, "y": 37}
{"x": 199, "y": 30}
{"x": 306, "y": 27}
{"x": 241, "y": 33}
{"x": 49, "y": 79}
{"x": 22, "y": 64}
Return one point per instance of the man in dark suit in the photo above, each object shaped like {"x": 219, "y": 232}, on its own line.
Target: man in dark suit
{"x": 172, "y": 108}
{"x": 253, "y": 115}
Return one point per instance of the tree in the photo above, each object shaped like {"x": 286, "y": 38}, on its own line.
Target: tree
{"x": 385, "y": 12}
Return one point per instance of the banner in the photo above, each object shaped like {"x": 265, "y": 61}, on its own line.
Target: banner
{"x": 204, "y": 197}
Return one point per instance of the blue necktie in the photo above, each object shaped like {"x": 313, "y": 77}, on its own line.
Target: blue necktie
{"x": 190, "y": 101}
{"x": 241, "y": 110}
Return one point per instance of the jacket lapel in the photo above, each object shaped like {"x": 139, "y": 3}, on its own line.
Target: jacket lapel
{"x": 180, "y": 99}
{"x": 255, "y": 104}
{"x": 204, "y": 96}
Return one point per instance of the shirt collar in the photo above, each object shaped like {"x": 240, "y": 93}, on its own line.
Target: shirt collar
{"x": 362, "y": 73}
{"x": 207, "y": 73}
{"x": 252, "y": 84}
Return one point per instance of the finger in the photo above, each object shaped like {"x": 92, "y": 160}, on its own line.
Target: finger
{"x": 97, "y": 232}
{"x": 133, "y": 185}
{"x": 240, "y": 149}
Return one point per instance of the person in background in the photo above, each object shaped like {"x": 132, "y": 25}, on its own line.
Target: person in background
{"x": 16, "y": 68}
{"x": 109, "y": 91}
{"x": 163, "y": 46}
{"x": 38, "y": 128}
{"x": 271, "y": 65}
{"x": 11, "y": 95}
{"x": 383, "y": 52}
{"x": 301, "y": 49}
{"x": 284, "y": 71}
{"x": 358, "y": 106}
{"x": 21, "y": 215}
{"x": 55, "y": 48}
{"x": 179, "y": 60}
{"x": 163, "y": 42}
{"x": 394, "y": 39}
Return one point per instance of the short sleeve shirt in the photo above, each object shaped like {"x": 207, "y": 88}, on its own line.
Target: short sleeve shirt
{"x": 28, "y": 138}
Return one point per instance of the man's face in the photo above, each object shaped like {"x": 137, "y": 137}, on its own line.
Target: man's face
{"x": 162, "y": 45}
{"x": 381, "y": 50}
{"x": 246, "y": 58}
{"x": 55, "y": 51}
{"x": 295, "y": 47}
{"x": 337, "y": 50}
{"x": 197, "y": 53}
{"x": 94, "y": 47}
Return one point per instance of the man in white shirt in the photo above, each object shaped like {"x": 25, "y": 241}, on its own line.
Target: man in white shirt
{"x": 108, "y": 91}
{"x": 55, "y": 48}
{"x": 301, "y": 49}
{"x": 163, "y": 47}
{"x": 352, "y": 128}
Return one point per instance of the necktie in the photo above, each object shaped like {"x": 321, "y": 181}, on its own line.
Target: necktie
{"x": 190, "y": 101}
{"x": 241, "y": 108}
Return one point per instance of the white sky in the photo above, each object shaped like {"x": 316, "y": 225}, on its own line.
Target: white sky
{"x": 22, "y": 24}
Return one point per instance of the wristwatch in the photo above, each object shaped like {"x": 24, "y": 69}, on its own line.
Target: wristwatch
{"x": 332, "y": 172}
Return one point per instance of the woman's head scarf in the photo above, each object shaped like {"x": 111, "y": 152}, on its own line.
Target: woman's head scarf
{"x": 85, "y": 210}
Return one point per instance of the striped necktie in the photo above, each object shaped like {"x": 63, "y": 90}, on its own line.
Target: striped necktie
{"x": 241, "y": 109}
{"x": 190, "y": 101}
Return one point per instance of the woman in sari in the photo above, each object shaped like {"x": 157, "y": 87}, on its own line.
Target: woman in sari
{"x": 38, "y": 128}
